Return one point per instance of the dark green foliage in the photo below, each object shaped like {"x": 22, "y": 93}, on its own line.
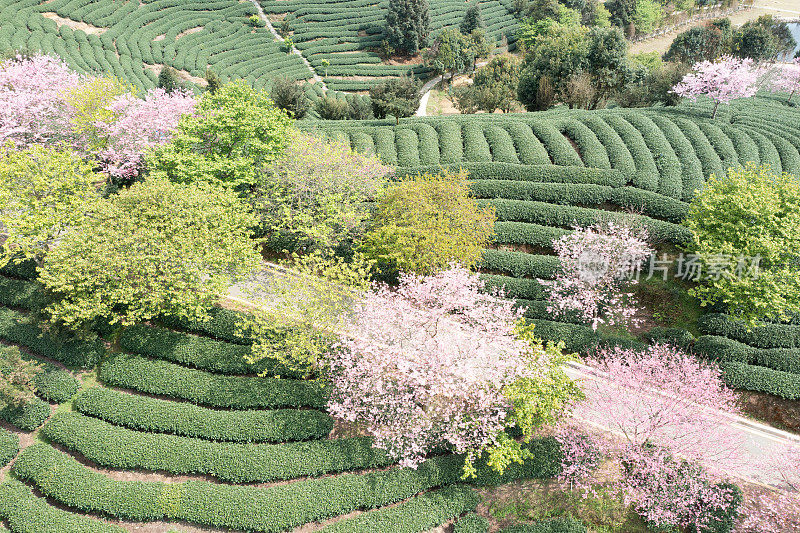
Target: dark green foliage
{"x": 418, "y": 514}
{"x": 9, "y": 446}
{"x": 520, "y": 264}
{"x": 55, "y": 385}
{"x": 550, "y": 525}
{"x": 195, "y": 351}
{"x": 26, "y": 513}
{"x": 674, "y": 336}
{"x": 763, "y": 335}
{"x": 112, "y": 446}
{"x": 290, "y": 96}
{"x": 759, "y": 378}
{"x": 215, "y": 390}
{"x": 20, "y": 269}
{"x": 213, "y": 81}
{"x": 21, "y": 329}
{"x": 473, "y": 19}
{"x": 398, "y": 97}
{"x": 20, "y": 293}
{"x": 28, "y": 417}
{"x": 725, "y": 349}
{"x": 471, "y": 523}
{"x": 169, "y": 79}
{"x": 407, "y": 25}
{"x": 332, "y": 108}
{"x": 180, "y": 418}
{"x": 622, "y": 12}
{"x": 696, "y": 44}
{"x": 755, "y": 42}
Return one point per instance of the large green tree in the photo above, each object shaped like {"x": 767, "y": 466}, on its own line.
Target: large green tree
{"x": 155, "y": 248}
{"x": 494, "y": 86}
{"x": 234, "y": 133}
{"x": 450, "y": 53}
{"x": 701, "y": 43}
{"x": 398, "y": 97}
{"x": 408, "y": 25}
{"x": 473, "y": 19}
{"x": 44, "y": 193}
{"x": 746, "y": 229}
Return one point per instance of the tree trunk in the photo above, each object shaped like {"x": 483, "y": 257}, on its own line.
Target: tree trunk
{"x": 714, "y": 113}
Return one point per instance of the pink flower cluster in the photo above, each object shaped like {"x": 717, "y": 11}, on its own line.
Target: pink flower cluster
{"x": 139, "y": 124}
{"x": 426, "y": 365}
{"x": 34, "y": 109}
{"x": 724, "y": 80}
{"x": 596, "y": 262}
{"x": 788, "y": 78}
{"x": 32, "y": 104}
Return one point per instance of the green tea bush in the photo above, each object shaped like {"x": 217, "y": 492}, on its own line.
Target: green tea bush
{"x": 214, "y": 390}
{"x": 222, "y": 324}
{"x": 520, "y": 264}
{"x": 112, "y": 446}
{"x": 759, "y": 378}
{"x": 27, "y": 417}
{"x": 195, "y": 351}
{"x": 9, "y": 446}
{"x": 26, "y": 513}
{"x": 724, "y": 349}
{"x": 422, "y": 513}
{"x": 179, "y": 418}
{"x": 21, "y": 329}
{"x": 549, "y": 525}
{"x": 471, "y": 523}
{"x": 763, "y": 335}
{"x": 21, "y": 293}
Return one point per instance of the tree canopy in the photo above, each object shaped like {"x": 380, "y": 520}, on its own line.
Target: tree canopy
{"x": 408, "y": 25}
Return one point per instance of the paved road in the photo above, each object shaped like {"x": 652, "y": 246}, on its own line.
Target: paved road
{"x": 265, "y": 19}
{"x": 756, "y": 441}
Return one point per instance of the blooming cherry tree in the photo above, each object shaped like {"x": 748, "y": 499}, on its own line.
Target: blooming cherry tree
{"x": 33, "y": 108}
{"x": 138, "y": 124}
{"x": 440, "y": 361}
{"x": 788, "y": 79}
{"x": 723, "y": 80}
{"x": 596, "y": 262}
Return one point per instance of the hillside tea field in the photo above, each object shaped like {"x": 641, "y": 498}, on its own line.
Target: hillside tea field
{"x": 256, "y": 452}
{"x": 546, "y": 172}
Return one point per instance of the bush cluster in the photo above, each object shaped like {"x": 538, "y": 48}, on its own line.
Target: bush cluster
{"x": 9, "y": 446}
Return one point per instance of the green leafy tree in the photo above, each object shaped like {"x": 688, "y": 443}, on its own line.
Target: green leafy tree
{"x": 648, "y": 15}
{"x": 290, "y": 96}
{"x": 155, "y": 248}
{"x": 234, "y": 133}
{"x": 398, "y": 97}
{"x": 408, "y": 25}
{"x": 169, "y": 79}
{"x": 314, "y": 195}
{"x": 299, "y": 313}
{"x": 497, "y": 83}
{"x": 622, "y": 12}
{"x": 473, "y": 19}
{"x": 332, "y": 108}
{"x": 16, "y": 378}
{"x": 749, "y": 213}
{"x": 701, "y": 43}
{"x": 423, "y": 223}
{"x": 450, "y": 52}
{"x": 478, "y": 46}
{"x": 755, "y": 42}
{"x": 607, "y": 58}
{"x": 44, "y": 193}
{"x": 89, "y": 102}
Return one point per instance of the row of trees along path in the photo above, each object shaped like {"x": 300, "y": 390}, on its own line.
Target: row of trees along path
{"x": 757, "y": 442}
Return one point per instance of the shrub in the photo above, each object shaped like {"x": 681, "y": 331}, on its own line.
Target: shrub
{"x": 17, "y": 376}
{"x": 398, "y": 97}
{"x": 471, "y": 523}
{"x": 332, "y": 108}
{"x": 21, "y": 293}
{"x": 290, "y": 96}
{"x": 423, "y": 223}
{"x": 27, "y": 417}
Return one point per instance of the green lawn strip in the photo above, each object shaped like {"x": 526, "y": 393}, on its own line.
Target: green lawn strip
{"x": 196, "y": 351}
{"x": 418, "y": 514}
{"x": 189, "y": 420}
{"x": 278, "y": 508}
{"x": 215, "y": 390}
{"x": 115, "y": 447}
{"x": 26, "y": 513}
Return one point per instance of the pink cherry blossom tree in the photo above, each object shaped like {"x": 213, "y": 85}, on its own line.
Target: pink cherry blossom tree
{"x": 594, "y": 281}
{"x": 441, "y": 361}
{"x": 723, "y": 80}
{"x": 139, "y": 124}
{"x": 33, "y": 108}
{"x": 787, "y": 79}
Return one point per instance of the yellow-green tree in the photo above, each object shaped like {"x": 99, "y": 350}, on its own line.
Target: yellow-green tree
{"x": 746, "y": 228}
{"x": 44, "y": 193}
{"x": 424, "y": 223}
